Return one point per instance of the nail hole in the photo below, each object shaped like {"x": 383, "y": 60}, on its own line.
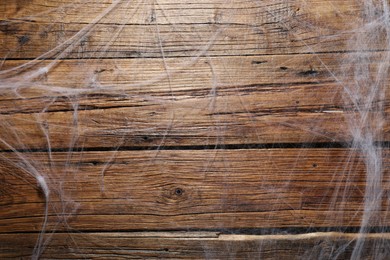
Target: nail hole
{"x": 314, "y": 165}
{"x": 310, "y": 72}
{"x": 283, "y": 68}
{"x": 179, "y": 191}
{"x": 258, "y": 61}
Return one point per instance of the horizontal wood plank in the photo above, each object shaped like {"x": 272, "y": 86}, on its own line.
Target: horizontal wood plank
{"x": 189, "y": 189}
{"x": 173, "y": 11}
{"x": 155, "y": 91}
{"x": 172, "y": 28}
{"x": 208, "y": 101}
{"x": 196, "y": 245}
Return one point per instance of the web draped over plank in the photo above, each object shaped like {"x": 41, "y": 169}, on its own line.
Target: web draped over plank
{"x": 236, "y": 117}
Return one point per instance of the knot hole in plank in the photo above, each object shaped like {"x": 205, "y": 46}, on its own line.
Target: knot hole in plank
{"x": 174, "y": 194}
{"x": 179, "y": 191}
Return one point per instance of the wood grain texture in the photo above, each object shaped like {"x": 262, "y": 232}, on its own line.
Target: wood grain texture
{"x": 191, "y": 189}
{"x": 150, "y": 120}
{"x": 195, "y": 245}
{"x": 259, "y": 73}
{"x": 209, "y": 101}
{"x": 185, "y": 29}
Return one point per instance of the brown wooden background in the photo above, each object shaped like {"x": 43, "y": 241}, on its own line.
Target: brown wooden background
{"x": 205, "y": 129}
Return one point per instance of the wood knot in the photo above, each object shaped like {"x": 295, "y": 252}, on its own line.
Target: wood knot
{"x": 179, "y": 191}
{"x": 174, "y": 194}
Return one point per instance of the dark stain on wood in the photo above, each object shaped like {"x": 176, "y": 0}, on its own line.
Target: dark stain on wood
{"x": 256, "y": 62}
{"x": 8, "y": 28}
{"x": 23, "y": 40}
{"x": 310, "y": 72}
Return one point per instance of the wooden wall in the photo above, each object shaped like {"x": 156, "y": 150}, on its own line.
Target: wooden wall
{"x": 184, "y": 129}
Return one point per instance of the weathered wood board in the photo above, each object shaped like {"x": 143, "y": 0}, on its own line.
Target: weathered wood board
{"x": 194, "y": 245}
{"x": 192, "y": 189}
{"x": 180, "y": 129}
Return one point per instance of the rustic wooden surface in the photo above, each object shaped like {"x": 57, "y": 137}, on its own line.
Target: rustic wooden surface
{"x": 209, "y": 129}
{"x": 194, "y": 245}
{"x": 194, "y": 189}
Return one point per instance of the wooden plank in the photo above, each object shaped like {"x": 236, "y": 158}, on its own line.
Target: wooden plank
{"x": 196, "y": 245}
{"x": 162, "y": 83}
{"x": 176, "y": 12}
{"x": 189, "y": 189}
{"x": 147, "y": 76}
{"x": 184, "y": 28}
{"x": 209, "y": 101}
